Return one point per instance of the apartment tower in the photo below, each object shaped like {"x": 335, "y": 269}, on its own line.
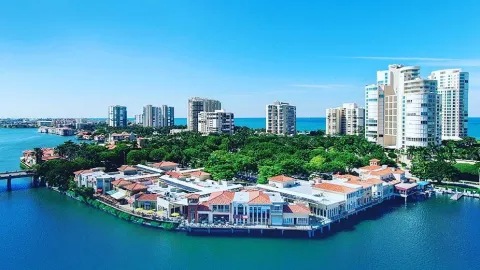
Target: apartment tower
{"x": 217, "y": 122}
{"x": 281, "y": 118}
{"x": 453, "y": 90}
{"x": 117, "y": 116}
{"x": 197, "y": 105}
{"x": 346, "y": 120}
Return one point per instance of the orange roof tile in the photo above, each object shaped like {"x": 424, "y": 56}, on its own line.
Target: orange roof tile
{"x": 82, "y": 172}
{"x": 258, "y": 197}
{"x": 374, "y": 181}
{"x": 193, "y": 196}
{"x": 121, "y": 182}
{"x": 147, "y": 197}
{"x": 361, "y": 183}
{"x": 281, "y": 178}
{"x": 375, "y": 160}
{"x": 334, "y": 187}
{"x": 221, "y": 197}
{"x": 175, "y": 174}
{"x": 382, "y": 172}
{"x": 296, "y": 208}
{"x": 165, "y": 164}
{"x": 135, "y": 187}
{"x": 347, "y": 176}
{"x": 126, "y": 168}
{"x": 371, "y": 168}
{"x": 199, "y": 173}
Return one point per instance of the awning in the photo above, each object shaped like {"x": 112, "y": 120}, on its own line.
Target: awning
{"x": 119, "y": 195}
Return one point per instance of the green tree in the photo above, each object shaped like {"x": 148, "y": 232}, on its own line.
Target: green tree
{"x": 158, "y": 154}
{"x": 137, "y": 156}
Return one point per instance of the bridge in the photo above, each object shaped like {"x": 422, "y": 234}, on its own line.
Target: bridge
{"x": 16, "y": 174}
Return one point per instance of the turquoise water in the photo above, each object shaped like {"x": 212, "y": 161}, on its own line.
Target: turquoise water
{"x": 316, "y": 123}
{"x": 41, "y": 229}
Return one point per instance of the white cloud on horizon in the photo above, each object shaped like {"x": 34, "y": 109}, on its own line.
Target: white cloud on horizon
{"x": 427, "y": 61}
{"x": 407, "y": 58}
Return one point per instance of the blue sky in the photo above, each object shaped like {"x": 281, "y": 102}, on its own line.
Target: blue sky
{"x": 74, "y": 58}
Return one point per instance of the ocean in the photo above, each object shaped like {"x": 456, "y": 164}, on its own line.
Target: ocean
{"x": 41, "y": 229}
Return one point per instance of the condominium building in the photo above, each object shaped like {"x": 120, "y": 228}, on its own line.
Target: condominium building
{"x": 151, "y": 116}
{"x": 281, "y": 118}
{"x": 217, "y": 122}
{"x": 197, "y": 105}
{"x": 168, "y": 116}
{"x": 402, "y": 109}
{"x": 117, "y": 116}
{"x": 139, "y": 119}
{"x": 346, "y": 120}
{"x": 453, "y": 90}
{"x": 161, "y": 116}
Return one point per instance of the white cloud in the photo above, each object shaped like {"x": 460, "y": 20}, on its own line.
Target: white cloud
{"x": 426, "y": 61}
{"x": 454, "y": 63}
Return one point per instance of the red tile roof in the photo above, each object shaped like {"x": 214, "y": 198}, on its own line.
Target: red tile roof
{"x": 347, "y": 176}
{"x": 296, "y": 208}
{"x": 199, "y": 173}
{"x": 382, "y": 172}
{"x": 193, "y": 196}
{"x": 361, "y": 183}
{"x": 374, "y": 181}
{"x": 221, "y": 197}
{"x": 135, "y": 187}
{"x": 121, "y": 182}
{"x": 334, "y": 187}
{"x": 371, "y": 168}
{"x": 375, "y": 160}
{"x": 281, "y": 178}
{"x": 83, "y": 171}
{"x": 258, "y": 197}
{"x": 126, "y": 168}
{"x": 147, "y": 197}
{"x": 165, "y": 164}
{"x": 203, "y": 207}
{"x": 175, "y": 174}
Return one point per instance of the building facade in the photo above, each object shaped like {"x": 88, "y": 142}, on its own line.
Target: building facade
{"x": 281, "y": 118}
{"x": 452, "y": 86}
{"x": 217, "y": 122}
{"x": 161, "y": 116}
{"x": 117, "y": 116}
{"x": 168, "y": 116}
{"x": 402, "y": 109}
{"x": 139, "y": 119}
{"x": 346, "y": 120}
{"x": 197, "y": 105}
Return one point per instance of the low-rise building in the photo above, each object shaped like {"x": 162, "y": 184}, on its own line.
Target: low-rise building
{"x": 166, "y": 165}
{"x": 281, "y": 181}
{"x": 147, "y": 201}
{"x": 121, "y": 137}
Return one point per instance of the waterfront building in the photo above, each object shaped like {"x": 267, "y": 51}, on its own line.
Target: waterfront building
{"x": 453, "y": 86}
{"x": 346, "y": 120}
{"x": 121, "y": 137}
{"x": 217, "y": 122}
{"x": 45, "y": 123}
{"x": 117, "y": 116}
{"x": 281, "y": 118}
{"x": 402, "y": 109}
{"x": 139, "y": 119}
{"x": 168, "y": 116}
{"x": 197, "y": 105}
{"x": 146, "y": 201}
{"x": 94, "y": 178}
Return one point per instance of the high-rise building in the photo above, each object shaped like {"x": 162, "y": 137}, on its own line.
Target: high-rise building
{"x": 117, "y": 116}
{"x": 402, "y": 109}
{"x": 168, "y": 116}
{"x": 346, "y": 120}
{"x": 161, "y": 116}
{"x": 151, "y": 116}
{"x": 197, "y": 105}
{"x": 138, "y": 119}
{"x": 281, "y": 118}
{"x": 219, "y": 122}
{"x": 453, "y": 90}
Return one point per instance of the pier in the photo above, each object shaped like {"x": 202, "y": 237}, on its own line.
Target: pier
{"x": 456, "y": 196}
{"x": 16, "y": 174}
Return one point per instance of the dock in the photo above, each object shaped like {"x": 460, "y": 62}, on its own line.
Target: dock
{"x": 456, "y": 196}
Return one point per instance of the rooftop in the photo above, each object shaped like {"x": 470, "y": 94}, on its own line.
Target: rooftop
{"x": 334, "y": 187}
{"x": 281, "y": 178}
{"x": 147, "y": 197}
{"x": 296, "y": 208}
{"x": 135, "y": 187}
